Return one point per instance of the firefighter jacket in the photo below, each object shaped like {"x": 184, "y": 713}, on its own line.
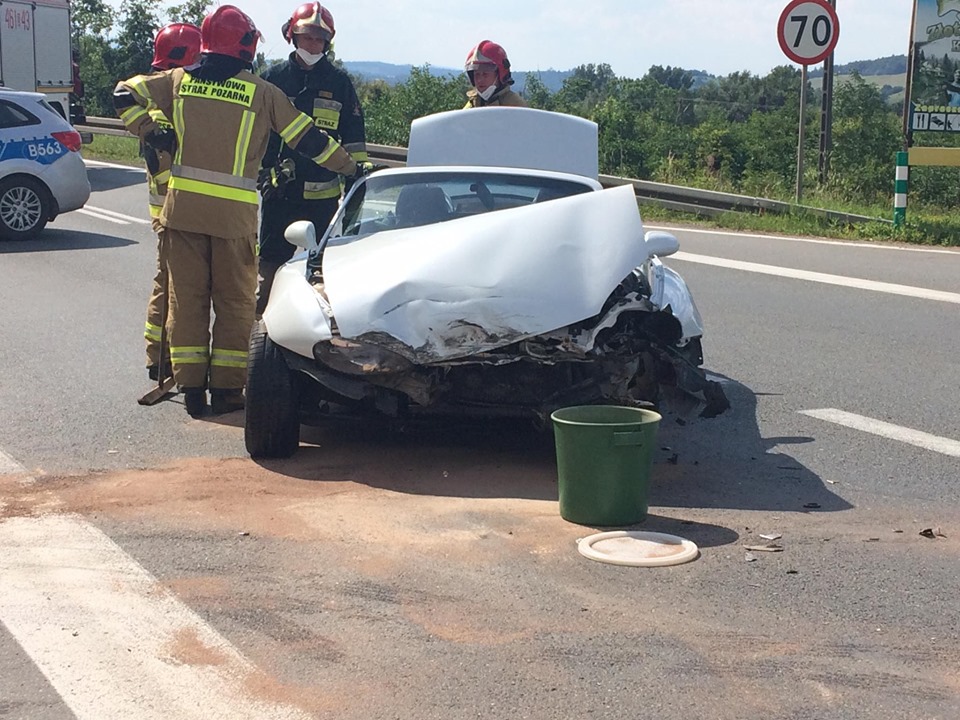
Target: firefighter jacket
{"x": 222, "y": 128}
{"x": 504, "y": 96}
{"x": 326, "y": 94}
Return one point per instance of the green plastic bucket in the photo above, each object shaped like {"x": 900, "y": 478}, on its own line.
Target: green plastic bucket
{"x": 604, "y": 456}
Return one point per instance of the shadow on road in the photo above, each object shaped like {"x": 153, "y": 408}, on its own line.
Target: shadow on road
{"x": 63, "y": 239}
{"x": 726, "y": 463}
{"x": 723, "y": 462}
{"x": 108, "y": 178}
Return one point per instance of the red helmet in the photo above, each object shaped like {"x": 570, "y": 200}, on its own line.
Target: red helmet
{"x": 309, "y": 16}
{"x": 229, "y": 31}
{"x": 176, "y": 45}
{"x": 489, "y": 54}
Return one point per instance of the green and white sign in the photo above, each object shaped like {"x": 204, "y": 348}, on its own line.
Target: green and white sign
{"x": 935, "y": 86}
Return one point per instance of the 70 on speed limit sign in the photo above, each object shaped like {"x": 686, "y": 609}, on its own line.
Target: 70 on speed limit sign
{"x": 808, "y": 31}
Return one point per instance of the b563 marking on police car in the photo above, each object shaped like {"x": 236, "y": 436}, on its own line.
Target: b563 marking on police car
{"x": 42, "y": 150}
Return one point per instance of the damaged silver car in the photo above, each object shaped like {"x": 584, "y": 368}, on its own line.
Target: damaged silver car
{"x": 491, "y": 276}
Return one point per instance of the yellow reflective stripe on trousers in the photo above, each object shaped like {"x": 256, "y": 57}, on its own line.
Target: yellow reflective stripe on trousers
{"x": 162, "y": 178}
{"x": 229, "y": 358}
{"x": 301, "y": 123}
{"x": 200, "y": 187}
{"x": 178, "y": 127}
{"x": 243, "y": 142}
{"x": 151, "y": 332}
{"x": 154, "y": 208}
{"x": 189, "y": 355}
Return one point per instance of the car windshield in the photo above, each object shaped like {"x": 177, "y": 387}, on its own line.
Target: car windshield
{"x": 388, "y": 202}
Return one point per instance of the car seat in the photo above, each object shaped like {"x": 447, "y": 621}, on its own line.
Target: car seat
{"x": 422, "y": 205}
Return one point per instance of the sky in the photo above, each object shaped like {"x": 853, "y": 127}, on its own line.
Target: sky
{"x": 718, "y": 36}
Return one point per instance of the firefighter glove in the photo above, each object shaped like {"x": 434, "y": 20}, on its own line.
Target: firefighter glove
{"x": 272, "y": 180}
{"x": 165, "y": 140}
{"x": 363, "y": 169}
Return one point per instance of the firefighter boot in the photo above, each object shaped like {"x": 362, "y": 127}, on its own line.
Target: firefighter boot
{"x": 225, "y": 401}
{"x": 195, "y": 401}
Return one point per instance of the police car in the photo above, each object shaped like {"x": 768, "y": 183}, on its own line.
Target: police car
{"x": 41, "y": 171}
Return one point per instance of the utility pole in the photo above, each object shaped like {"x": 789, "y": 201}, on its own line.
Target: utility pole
{"x": 826, "y": 116}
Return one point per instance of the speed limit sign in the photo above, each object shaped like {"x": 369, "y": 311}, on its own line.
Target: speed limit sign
{"x": 808, "y": 31}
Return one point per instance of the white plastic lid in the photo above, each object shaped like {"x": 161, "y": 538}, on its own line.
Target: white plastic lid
{"x": 638, "y": 548}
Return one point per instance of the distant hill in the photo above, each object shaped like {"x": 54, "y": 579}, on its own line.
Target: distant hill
{"x": 890, "y": 65}
{"x": 552, "y": 79}
{"x": 394, "y": 74}
{"x": 889, "y": 73}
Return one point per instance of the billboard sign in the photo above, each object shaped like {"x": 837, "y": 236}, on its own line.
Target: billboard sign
{"x": 935, "y": 85}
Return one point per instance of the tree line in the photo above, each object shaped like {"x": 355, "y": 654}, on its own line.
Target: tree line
{"x": 735, "y": 133}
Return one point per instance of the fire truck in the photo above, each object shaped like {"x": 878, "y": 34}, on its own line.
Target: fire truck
{"x": 36, "y": 53}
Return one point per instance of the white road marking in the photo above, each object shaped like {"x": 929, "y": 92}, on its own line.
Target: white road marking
{"x": 112, "y": 641}
{"x": 98, "y": 216}
{"x": 815, "y": 241}
{"x": 920, "y": 439}
{"x": 9, "y": 466}
{"x": 851, "y": 282}
{"x": 121, "y": 216}
{"x": 100, "y": 163}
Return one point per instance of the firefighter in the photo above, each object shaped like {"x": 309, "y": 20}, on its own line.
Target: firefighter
{"x": 488, "y": 68}
{"x": 222, "y": 115}
{"x": 324, "y": 92}
{"x": 176, "y": 45}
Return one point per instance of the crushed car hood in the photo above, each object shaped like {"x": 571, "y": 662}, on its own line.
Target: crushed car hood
{"x": 469, "y": 285}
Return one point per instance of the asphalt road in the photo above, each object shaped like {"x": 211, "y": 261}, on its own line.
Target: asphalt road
{"x": 428, "y": 575}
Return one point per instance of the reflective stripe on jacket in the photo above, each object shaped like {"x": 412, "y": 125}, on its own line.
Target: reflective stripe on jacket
{"x": 326, "y": 94}
{"x": 222, "y": 130}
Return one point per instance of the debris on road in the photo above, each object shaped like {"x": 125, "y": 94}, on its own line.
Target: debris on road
{"x": 769, "y": 547}
{"x": 812, "y": 506}
{"x": 771, "y": 536}
{"x": 749, "y": 557}
{"x": 932, "y": 534}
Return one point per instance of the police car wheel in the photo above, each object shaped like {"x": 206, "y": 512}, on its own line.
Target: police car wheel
{"x": 24, "y": 207}
{"x": 272, "y": 416}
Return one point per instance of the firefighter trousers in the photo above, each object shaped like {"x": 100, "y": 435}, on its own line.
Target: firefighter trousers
{"x": 205, "y": 271}
{"x": 156, "y": 306}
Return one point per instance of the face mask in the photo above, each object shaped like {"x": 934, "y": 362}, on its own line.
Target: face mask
{"x": 309, "y": 58}
{"x": 488, "y": 93}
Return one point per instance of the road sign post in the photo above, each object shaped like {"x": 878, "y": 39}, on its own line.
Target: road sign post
{"x": 808, "y": 31}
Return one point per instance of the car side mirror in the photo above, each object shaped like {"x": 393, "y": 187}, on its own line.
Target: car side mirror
{"x": 301, "y": 234}
{"x": 660, "y": 243}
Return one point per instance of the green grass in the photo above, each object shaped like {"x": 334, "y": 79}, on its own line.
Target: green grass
{"x": 925, "y": 226}
{"x": 114, "y": 148}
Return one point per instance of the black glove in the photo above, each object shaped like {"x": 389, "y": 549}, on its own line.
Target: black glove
{"x": 153, "y": 162}
{"x": 272, "y": 180}
{"x": 165, "y": 140}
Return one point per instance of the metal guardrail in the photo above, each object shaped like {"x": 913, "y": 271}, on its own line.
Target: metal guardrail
{"x": 672, "y": 197}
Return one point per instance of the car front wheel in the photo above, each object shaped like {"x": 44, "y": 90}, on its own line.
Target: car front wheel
{"x": 272, "y": 424}
{"x": 24, "y": 208}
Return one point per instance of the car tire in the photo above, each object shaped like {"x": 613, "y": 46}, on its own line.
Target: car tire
{"x": 272, "y": 424}
{"x": 24, "y": 207}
